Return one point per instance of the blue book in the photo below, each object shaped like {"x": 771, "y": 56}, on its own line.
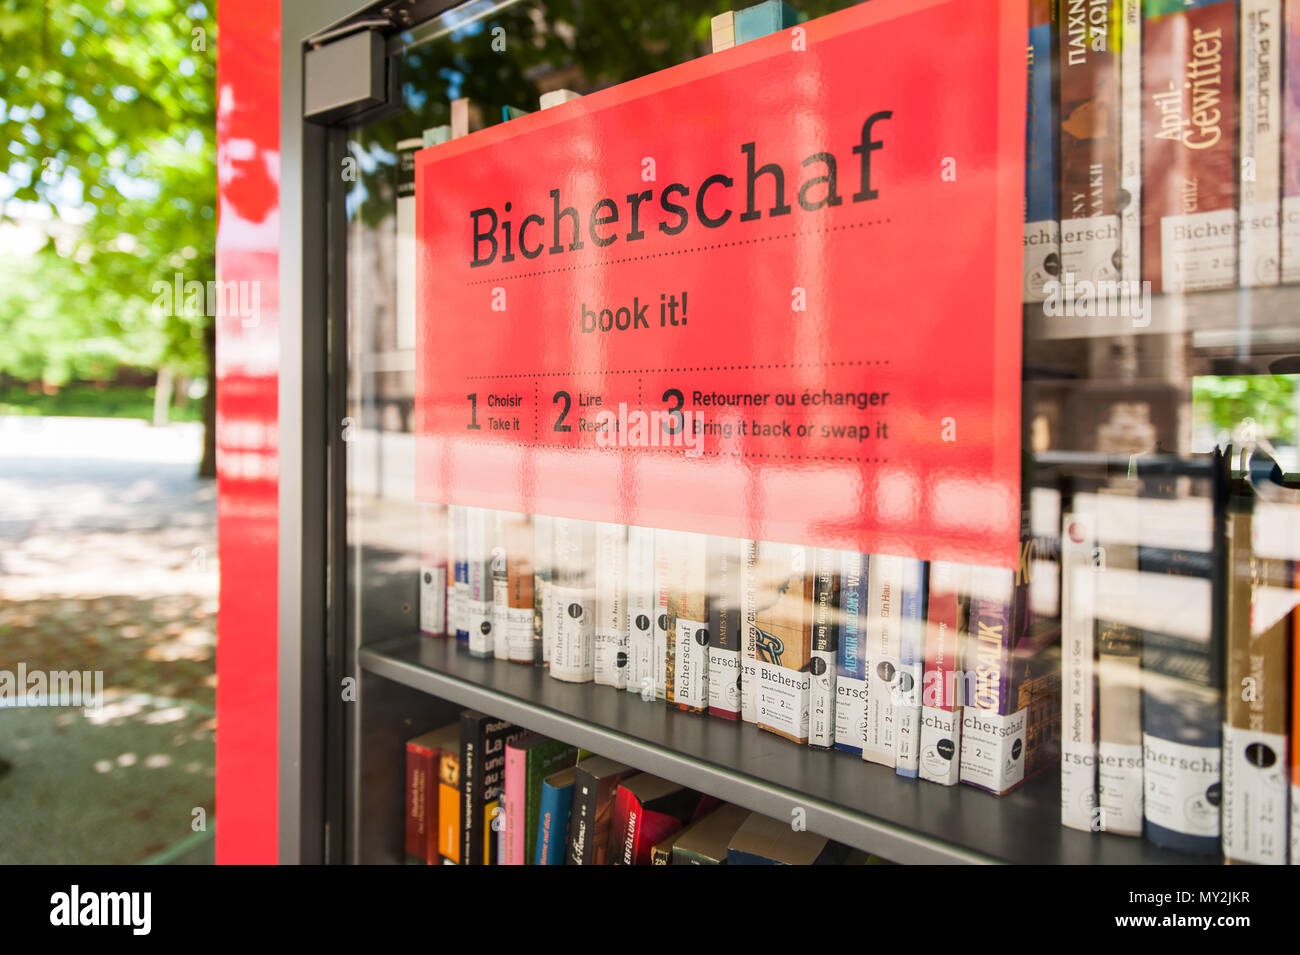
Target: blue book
{"x": 764, "y": 18}
{"x": 1042, "y": 260}
{"x": 907, "y": 714}
{"x": 850, "y": 660}
{"x": 553, "y": 822}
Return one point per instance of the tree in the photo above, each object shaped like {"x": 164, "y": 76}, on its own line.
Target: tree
{"x": 107, "y": 109}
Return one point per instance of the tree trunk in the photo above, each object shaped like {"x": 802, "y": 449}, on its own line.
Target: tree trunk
{"x": 208, "y": 464}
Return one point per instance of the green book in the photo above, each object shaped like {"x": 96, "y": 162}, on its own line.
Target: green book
{"x": 529, "y": 760}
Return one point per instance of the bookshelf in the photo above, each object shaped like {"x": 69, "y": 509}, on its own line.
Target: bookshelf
{"x": 861, "y": 804}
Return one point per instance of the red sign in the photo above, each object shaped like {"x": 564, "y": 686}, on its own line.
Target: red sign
{"x": 770, "y": 293}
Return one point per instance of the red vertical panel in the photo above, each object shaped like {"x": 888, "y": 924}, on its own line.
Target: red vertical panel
{"x": 248, "y": 356}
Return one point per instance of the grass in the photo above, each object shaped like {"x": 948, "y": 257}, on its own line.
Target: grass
{"x": 88, "y": 401}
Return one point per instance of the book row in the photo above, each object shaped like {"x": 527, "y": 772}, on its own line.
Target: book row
{"x": 1162, "y": 145}
{"x": 481, "y": 791}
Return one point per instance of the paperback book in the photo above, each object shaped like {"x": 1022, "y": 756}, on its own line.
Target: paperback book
{"x": 943, "y": 686}
{"x": 512, "y": 589}
{"x": 726, "y": 564}
{"x": 825, "y": 648}
{"x": 850, "y": 658}
{"x": 433, "y": 570}
{"x": 594, "y": 787}
{"x": 483, "y": 741}
{"x": 610, "y": 631}
{"x": 640, "y": 610}
{"x": 907, "y": 708}
{"x": 882, "y": 645}
{"x": 573, "y": 650}
{"x": 687, "y": 668}
{"x": 783, "y": 634}
{"x": 530, "y": 760}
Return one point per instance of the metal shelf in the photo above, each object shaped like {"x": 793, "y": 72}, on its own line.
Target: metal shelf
{"x": 863, "y": 805}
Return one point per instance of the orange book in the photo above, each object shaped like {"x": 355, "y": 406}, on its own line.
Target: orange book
{"x": 449, "y": 806}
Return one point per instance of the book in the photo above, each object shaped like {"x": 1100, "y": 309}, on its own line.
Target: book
{"x": 825, "y": 648}
{"x": 749, "y": 631}
{"x": 1089, "y": 143}
{"x": 640, "y": 611}
{"x": 881, "y": 645}
{"x": 480, "y": 541}
{"x": 687, "y": 668}
{"x": 763, "y": 19}
{"x": 783, "y": 635}
{"x": 1078, "y": 667}
{"x": 610, "y": 634}
{"x": 943, "y": 685}
{"x": 1118, "y": 519}
{"x": 1042, "y": 236}
{"x": 1182, "y": 618}
{"x": 722, "y": 31}
{"x": 1261, "y": 601}
{"x": 1260, "y": 177}
{"x": 554, "y": 806}
{"x": 530, "y": 759}
{"x": 726, "y": 600}
{"x": 1291, "y": 142}
{"x": 1128, "y": 43}
{"x": 911, "y": 650}
{"x": 662, "y": 852}
{"x": 459, "y": 606}
{"x": 423, "y": 754}
{"x": 594, "y": 785}
{"x": 449, "y": 803}
{"x": 553, "y": 98}
{"x": 705, "y": 841}
{"x": 1189, "y": 218}
{"x": 483, "y": 741}
{"x": 850, "y": 658}
{"x": 762, "y": 840}
{"x": 433, "y": 570}
{"x": 573, "y": 646}
{"x": 664, "y": 542}
{"x": 512, "y": 588}
{"x": 647, "y": 810}
{"x": 543, "y": 558}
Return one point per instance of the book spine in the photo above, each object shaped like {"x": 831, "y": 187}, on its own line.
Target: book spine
{"x": 993, "y": 730}
{"x": 610, "y": 652}
{"x": 449, "y": 806}
{"x": 521, "y": 601}
{"x": 725, "y": 562}
{"x": 687, "y": 685}
{"x": 479, "y": 526}
{"x": 722, "y": 30}
{"x": 640, "y": 611}
{"x": 460, "y": 592}
{"x": 433, "y": 570}
{"x": 825, "y": 646}
{"x": 1260, "y": 183}
{"x": 421, "y": 804}
{"x": 783, "y": 625}
{"x": 1078, "y": 670}
{"x": 1130, "y": 140}
{"x": 582, "y": 821}
{"x": 907, "y": 710}
{"x": 850, "y": 659}
{"x": 573, "y": 649}
{"x": 942, "y": 690}
{"x": 1189, "y": 217}
{"x": 553, "y": 824}
{"x": 1260, "y": 604}
{"x": 883, "y": 640}
{"x": 1089, "y": 143}
{"x": 471, "y": 787}
{"x": 664, "y": 543}
{"x": 749, "y": 633}
{"x": 499, "y": 608}
{"x": 1291, "y": 142}
{"x": 1042, "y": 239}
{"x": 543, "y": 580}
{"x": 515, "y": 803}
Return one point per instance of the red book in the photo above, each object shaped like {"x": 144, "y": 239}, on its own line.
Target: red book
{"x": 647, "y": 810}
{"x": 422, "y": 756}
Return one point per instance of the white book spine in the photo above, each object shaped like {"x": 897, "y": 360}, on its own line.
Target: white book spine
{"x": 573, "y": 599}
{"x": 1078, "y": 670}
{"x": 433, "y": 570}
{"x": 821, "y": 666}
{"x": 1130, "y": 142}
{"x": 749, "y": 641}
{"x": 640, "y": 611}
{"x": 907, "y": 708}
{"x": 500, "y": 588}
{"x": 543, "y": 556}
{"x": 664, "y": 541}
{"x": 479, "y": 541}
{"x": 689, "y": 621}
{"x": 611, "y": 605}
{"x": 1260, "y": 235}
{"x": 883, "y": 639}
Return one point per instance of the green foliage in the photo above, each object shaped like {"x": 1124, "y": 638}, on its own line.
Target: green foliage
{"x": 1225, "y": 401}
{"x": 108, "y": 105}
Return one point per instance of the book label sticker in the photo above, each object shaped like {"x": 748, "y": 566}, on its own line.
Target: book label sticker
{"x": 1254, "y": 820}
{"x": 691, "y": 663}
{"x": 738, "y": 331}
{"x": 573, "y": 647}
{"x": 992, "y": 749}
{"x": 433, "y": 600}
{"x": 783, "y": 700}
{"x": 1119, "y": 787}
{"x": 1182, "y": 786}
{"x": 940, "y": 745}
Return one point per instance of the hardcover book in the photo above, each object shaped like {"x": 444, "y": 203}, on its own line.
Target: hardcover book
{"x": 850, "y": 658}
{"x": 726, "y": 562}
{"x": 483, "y": 741}
{"x": 1042, "y": 240}
{"x": 423, "y": 755}
{"x": 907, "y": 709}
{"x": 942, "y": 689}
{"x": 594, "y": 786}
{"x": 641, "y": 610}
{"x": 762, "y": 840}
{"x": 687, "y": 674}
{"x": 512, "y": 589}
{"x": 433, "y": 570}
{"x": 1189, "y": 219}
{"x": 825, "y": 648}
{"x": 1089, "y": 146}
{"x": 883, "y": 640}
{"x": 647, "y": 810}
{"x": 555, "y": 806}
{"x": 573, "y": 598}
{"x": 662, "y": 853}
{"x": 530, "y": 759}
{"x": 1260, "y": 178}
{"x": 449, "y": 803}
{"x": 783, "y": 635}
{"x": 610, "y": 659}
{"x": 1078, "y": 667}
{"x": 705, "y": 841}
